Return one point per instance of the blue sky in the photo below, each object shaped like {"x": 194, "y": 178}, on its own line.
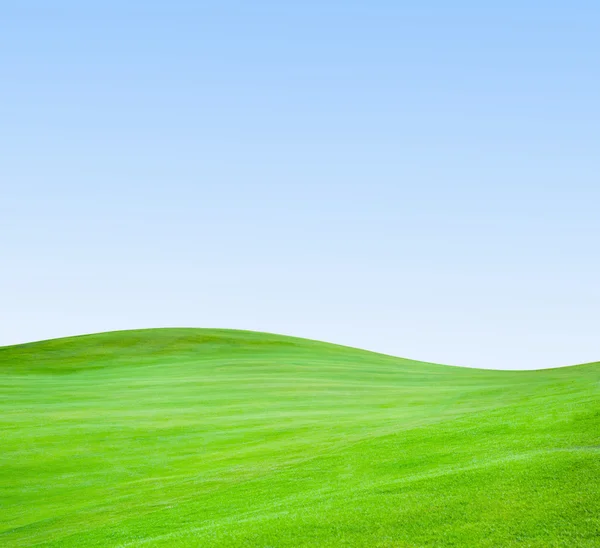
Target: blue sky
{"x": 417, "y": 178}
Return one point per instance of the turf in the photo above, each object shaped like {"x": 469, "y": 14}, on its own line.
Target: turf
{"x": 190, "y": 437}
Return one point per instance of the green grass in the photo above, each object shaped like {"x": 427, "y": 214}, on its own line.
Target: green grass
{"x": 190, "y": 437}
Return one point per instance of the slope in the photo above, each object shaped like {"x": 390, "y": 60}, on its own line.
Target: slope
{"x": 193, "y": 437}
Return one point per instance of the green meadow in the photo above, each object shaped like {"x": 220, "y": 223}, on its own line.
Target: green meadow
{"x": 217, "y": 438}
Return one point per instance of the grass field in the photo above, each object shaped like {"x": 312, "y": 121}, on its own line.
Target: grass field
{"x": 192, "y": 437}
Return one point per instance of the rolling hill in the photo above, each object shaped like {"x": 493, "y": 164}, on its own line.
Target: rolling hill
{"x": 195, "y": 437}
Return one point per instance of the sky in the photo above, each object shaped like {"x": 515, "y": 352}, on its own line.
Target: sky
{"x": 416, "y": 178}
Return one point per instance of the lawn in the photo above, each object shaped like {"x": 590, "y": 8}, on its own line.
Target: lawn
{"x": 217, "y": 438}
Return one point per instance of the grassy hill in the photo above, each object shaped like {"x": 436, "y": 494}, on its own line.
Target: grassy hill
{"x": 193, "y": 437}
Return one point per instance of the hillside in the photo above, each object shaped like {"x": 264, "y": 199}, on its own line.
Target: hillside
{"x": 194, "y": 437}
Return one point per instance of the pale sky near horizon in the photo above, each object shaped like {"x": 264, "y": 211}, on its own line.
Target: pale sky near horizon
{"x": 415, "y": 178}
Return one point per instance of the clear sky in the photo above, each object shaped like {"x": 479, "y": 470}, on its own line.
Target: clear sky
{"x": 417, "y": 178}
